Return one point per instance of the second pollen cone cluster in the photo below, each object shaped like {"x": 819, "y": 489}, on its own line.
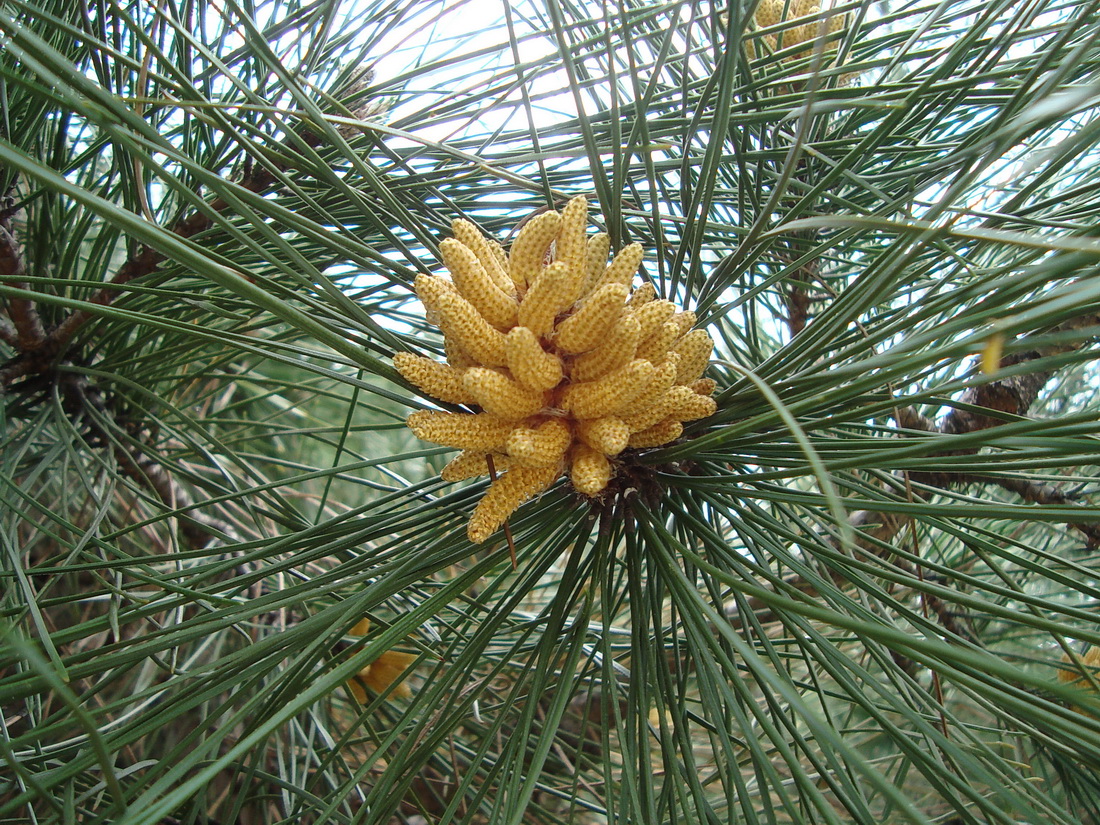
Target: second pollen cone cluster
{"x": 773, "y": 12}
{"x": 566, "y": 364}
{"x": 382, "y": 672}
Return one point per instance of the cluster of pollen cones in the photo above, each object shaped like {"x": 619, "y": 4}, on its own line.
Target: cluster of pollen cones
{"x": 565, "y": 363}
{"x": 829, "y": 25}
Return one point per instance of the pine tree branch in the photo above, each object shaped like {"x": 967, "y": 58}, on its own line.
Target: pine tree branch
{"x": 41, "y": 353}
{"x": 37, "y": 349}
{"x": 1013, "y": 395}
{"x": 1037, "y": 493}
{"x": 196, "y": 529}
{"x": 85, "y": 403}
{"x": 257, "y": 179}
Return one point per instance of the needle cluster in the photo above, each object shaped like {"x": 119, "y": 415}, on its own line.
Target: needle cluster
{"x": 565, "y": 364}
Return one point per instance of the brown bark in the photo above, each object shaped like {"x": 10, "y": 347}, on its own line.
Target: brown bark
{"x": 26, "y": 326}
{"x": 197, "y": 531}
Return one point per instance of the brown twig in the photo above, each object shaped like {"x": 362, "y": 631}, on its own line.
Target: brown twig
{"x": 142, "y": 263}
{"x": 1037, "y": 493}
{"x": 84, "y": 403}
{"x": 798, "y": 296}
{"x": 1011, "y": 396}
{"x": 40, "y": 354}
{"x": 197, "y": 531}
{"x": 147, "y": 259}
{"x": 37, "y": 353}
{"x": 37, "y": 349}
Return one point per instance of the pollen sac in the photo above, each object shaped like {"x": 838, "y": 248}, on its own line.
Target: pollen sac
{"x": 466, "y": 432}
{"x": 473, "y": 463}
{"x": 530, "y": 248}
{"x": 590, "y": 470}
{"x": 595, "y": 259}
{"x": 529, "y": 362}
{"x": 380, "y": 674}
{"x": 498, "y": 394}
{"x": 541, "y": 446}
{"x": 615, "y": 351}
{"x": 608, "y": 435}
{"x": 642, "y": 295}
{"x": 567, "y": 370}
{"x": 461, "y": 321}
{"x": 662, "y": 400}
{"x": 505, "y": 495}
{"x": 486, "y": 252}
{"x": 704, "y": 386}
{"x": 613, "y": 392}
{"x": 476, "y": 286}
{"x": 652, "y": 315}
{"x": 571, "y": 248}
{"x": 588, "y": 326}
{"x": 694, "y": 350}
{"x": 684, "y": 404}
{"x": 684, "y": 321}
{"x": 429, "y": 290}
{"x": 457, "y": 357}
{"x": 542, "y": 301}
{"x": 622, "y": 268}
{"x": 655, "y": 347}
{"x": 657, "y": 435}
{"x": 440, "y": 381}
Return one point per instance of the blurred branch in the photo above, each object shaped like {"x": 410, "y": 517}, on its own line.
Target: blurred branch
{"x": 7, "y": 332}
{"x": 103, "y": 426}
{"x": 197, "y": 530}
{"x": 1013, "y": 395}
{"x": 40, "y": 354}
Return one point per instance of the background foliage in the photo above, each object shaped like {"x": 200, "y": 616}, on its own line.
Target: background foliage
{"x": 865, "y": 591}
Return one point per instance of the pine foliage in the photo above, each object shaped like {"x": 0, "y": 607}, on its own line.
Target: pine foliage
{"x": 234, "y": 587}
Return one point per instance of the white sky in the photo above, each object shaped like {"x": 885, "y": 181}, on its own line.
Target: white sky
{"x": 467, "y": 28}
